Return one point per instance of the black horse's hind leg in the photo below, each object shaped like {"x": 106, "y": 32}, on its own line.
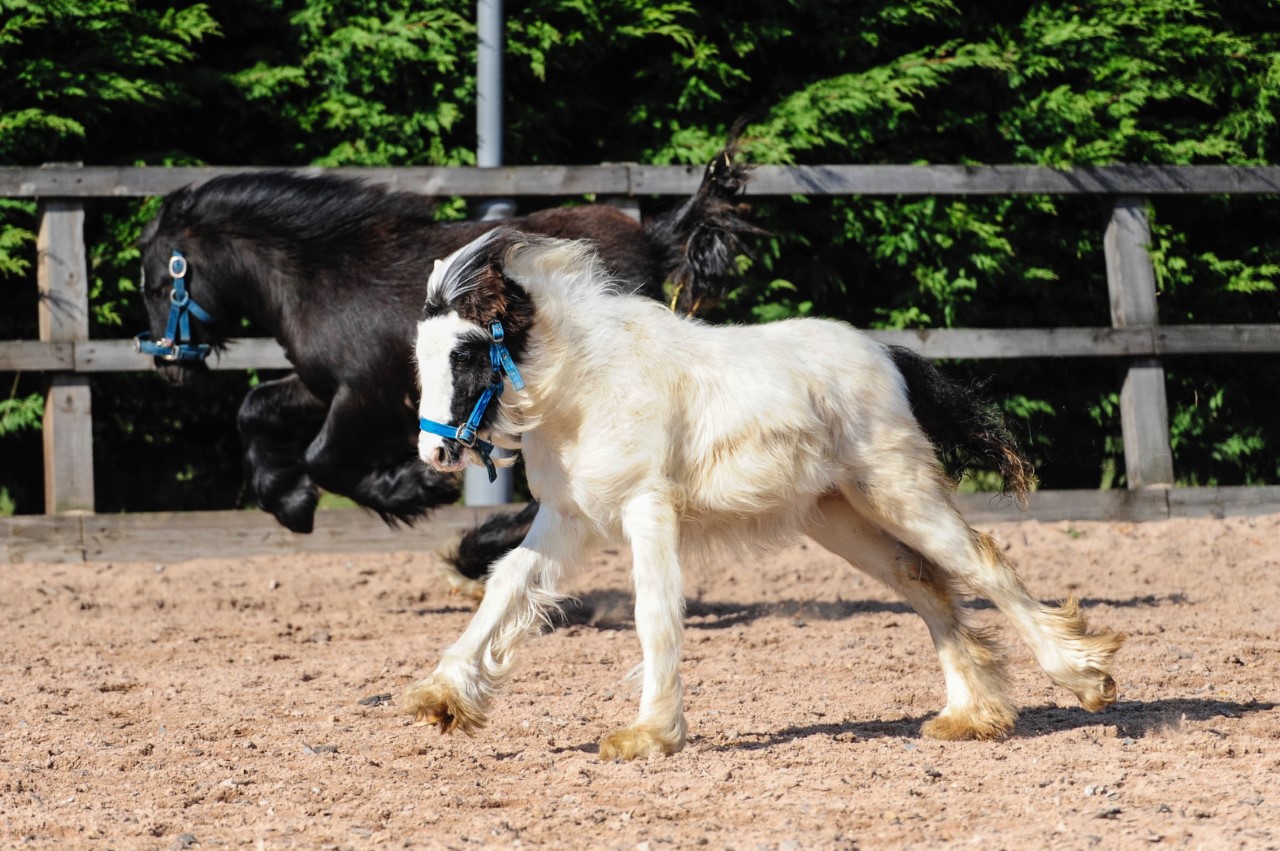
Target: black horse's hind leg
{"x": 490, "y": 541}
{"x": 277, "y": 420}
{"x": 365, "y": 453}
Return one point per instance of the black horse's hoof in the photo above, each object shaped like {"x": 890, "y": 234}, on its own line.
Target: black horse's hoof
{"x": 297, "y": 511}
{"x": 300, "y": 520}
{"x": 294, "y": 508}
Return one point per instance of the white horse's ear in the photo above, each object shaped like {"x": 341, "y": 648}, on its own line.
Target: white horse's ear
{"x": 436, "y": 268}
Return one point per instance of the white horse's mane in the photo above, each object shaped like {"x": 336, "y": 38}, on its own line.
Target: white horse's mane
{"x": 462, "y": 272}
{"x": 547, "y": 267}
{"x": 560, "y": 270}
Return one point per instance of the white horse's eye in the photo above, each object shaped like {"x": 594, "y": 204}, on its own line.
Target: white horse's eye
{"x": 460, "y": 357}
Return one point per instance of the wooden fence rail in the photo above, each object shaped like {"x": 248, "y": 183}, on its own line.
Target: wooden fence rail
{"x": 65, "y": 352}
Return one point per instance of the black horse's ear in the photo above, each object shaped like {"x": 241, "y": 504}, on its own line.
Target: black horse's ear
{"x": 149, "y": 231}
{"x": 177, "y": 205}
{"x": 177, "y": 202}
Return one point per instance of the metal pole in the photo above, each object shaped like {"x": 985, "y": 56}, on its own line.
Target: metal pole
{"x": 489, "y": 31}
{"x": 476, "y": 487}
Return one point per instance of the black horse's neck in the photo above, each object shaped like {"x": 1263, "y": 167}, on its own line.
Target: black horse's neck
{"x": 276, "y": 247}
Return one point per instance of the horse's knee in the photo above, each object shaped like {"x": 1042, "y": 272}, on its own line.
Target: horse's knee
{"x": 276, "y": 421}
{"x": 254, "y": 412}
{"x": 281, "y": 486}
{"x": 401, "y": 491}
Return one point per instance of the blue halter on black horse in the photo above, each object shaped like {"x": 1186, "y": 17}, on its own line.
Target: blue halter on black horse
{"x": 335, "y": 270}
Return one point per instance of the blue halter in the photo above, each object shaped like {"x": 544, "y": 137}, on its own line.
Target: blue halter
{"x": 176, "y": 345}
{"x": 465, "y": 434}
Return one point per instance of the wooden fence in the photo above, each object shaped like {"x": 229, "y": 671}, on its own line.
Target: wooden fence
{"x": 70, "y": 530}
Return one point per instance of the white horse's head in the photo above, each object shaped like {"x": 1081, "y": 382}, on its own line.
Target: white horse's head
{"x": 473, "y": 330}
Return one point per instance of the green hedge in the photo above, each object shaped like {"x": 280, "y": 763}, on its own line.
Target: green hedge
{"x": 337, "y": 82}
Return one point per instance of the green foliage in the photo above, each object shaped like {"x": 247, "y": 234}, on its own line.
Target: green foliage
{"x": 77, "y": 72}
{"x": 15, "y": 239}
{"x": 370, "y": 83}
{"x": 18, "y": 414}
{"x": 71, "y": 67}
{"x": 391, "y": 82}
{"x": 114, "y": 266}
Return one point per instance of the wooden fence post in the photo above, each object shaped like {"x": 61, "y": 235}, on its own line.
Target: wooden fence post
{"x": 63, "y": 281}
{"x": 1144, "y": 408}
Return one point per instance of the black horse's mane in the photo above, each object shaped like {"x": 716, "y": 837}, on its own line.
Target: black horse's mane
{"x": 288, "y": 206}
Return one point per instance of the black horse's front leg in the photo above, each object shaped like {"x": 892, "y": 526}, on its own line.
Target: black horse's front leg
{"x": 366, "y": 450}
{"x": 277, "y": 421}
{"x": 486, "y": 543}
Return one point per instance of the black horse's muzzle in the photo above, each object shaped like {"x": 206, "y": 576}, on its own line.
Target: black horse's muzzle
{"x": 177, "y": 346}
{"x": 168, "y": 350}
{"x": 181, "y": 373}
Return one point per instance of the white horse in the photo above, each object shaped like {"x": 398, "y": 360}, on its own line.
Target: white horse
{"x": 676, "y": 436}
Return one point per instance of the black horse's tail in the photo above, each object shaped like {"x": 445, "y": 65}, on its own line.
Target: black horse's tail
{"x": 703, "y": 237}
{"x": 965, "y": 428}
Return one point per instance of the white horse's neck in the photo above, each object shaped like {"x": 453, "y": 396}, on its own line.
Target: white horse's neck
{"x": 576, "y": 316}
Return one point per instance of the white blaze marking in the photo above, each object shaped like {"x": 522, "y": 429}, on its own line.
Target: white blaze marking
{"x": 437, "y": 337}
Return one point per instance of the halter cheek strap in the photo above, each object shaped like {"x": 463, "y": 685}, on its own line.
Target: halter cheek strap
{"x": 176, "y": 344}
{"x": 467, "y": 433}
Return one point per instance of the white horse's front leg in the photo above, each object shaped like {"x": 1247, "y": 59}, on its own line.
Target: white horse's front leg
{"x": 520, "y": 594}
{"x": 651, "y": 526}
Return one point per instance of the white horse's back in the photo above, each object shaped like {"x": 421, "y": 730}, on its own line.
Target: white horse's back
{"x": 748, "y": 421}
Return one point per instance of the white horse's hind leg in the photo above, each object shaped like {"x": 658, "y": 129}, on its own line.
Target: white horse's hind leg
{"x": 651, "y": 527}
{"x": 1058, "y": 636}
{"x": 977, "y": 705}
{"x": 912, "y": 505}
{"x": 519, "y": 595}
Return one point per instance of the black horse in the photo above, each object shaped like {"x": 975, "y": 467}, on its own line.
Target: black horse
{"x": 336, "y": 270}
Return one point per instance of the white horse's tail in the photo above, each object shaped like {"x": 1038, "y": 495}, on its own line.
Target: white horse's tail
{"x": 967, "y": 430}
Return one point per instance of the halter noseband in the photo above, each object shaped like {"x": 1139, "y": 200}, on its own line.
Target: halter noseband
{"x": 176, "y": 345}
{"x": 466, "y": 434}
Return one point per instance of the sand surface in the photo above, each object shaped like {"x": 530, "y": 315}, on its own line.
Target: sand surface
{"x": 251, "y": 702}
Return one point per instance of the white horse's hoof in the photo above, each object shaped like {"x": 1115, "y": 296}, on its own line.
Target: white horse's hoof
{"x": 434, "y": 702}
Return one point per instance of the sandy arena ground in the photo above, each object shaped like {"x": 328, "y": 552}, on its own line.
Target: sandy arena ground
{"x": 252, "y": 703}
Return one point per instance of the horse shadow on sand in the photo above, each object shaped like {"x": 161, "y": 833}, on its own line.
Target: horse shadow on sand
{"x": 611, "y": 609}
{"x": 1131, "y": 719}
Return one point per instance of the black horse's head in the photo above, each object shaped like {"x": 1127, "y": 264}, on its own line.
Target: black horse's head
{"x": 176, "y": 287}
{"x": 246, "y": 238}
